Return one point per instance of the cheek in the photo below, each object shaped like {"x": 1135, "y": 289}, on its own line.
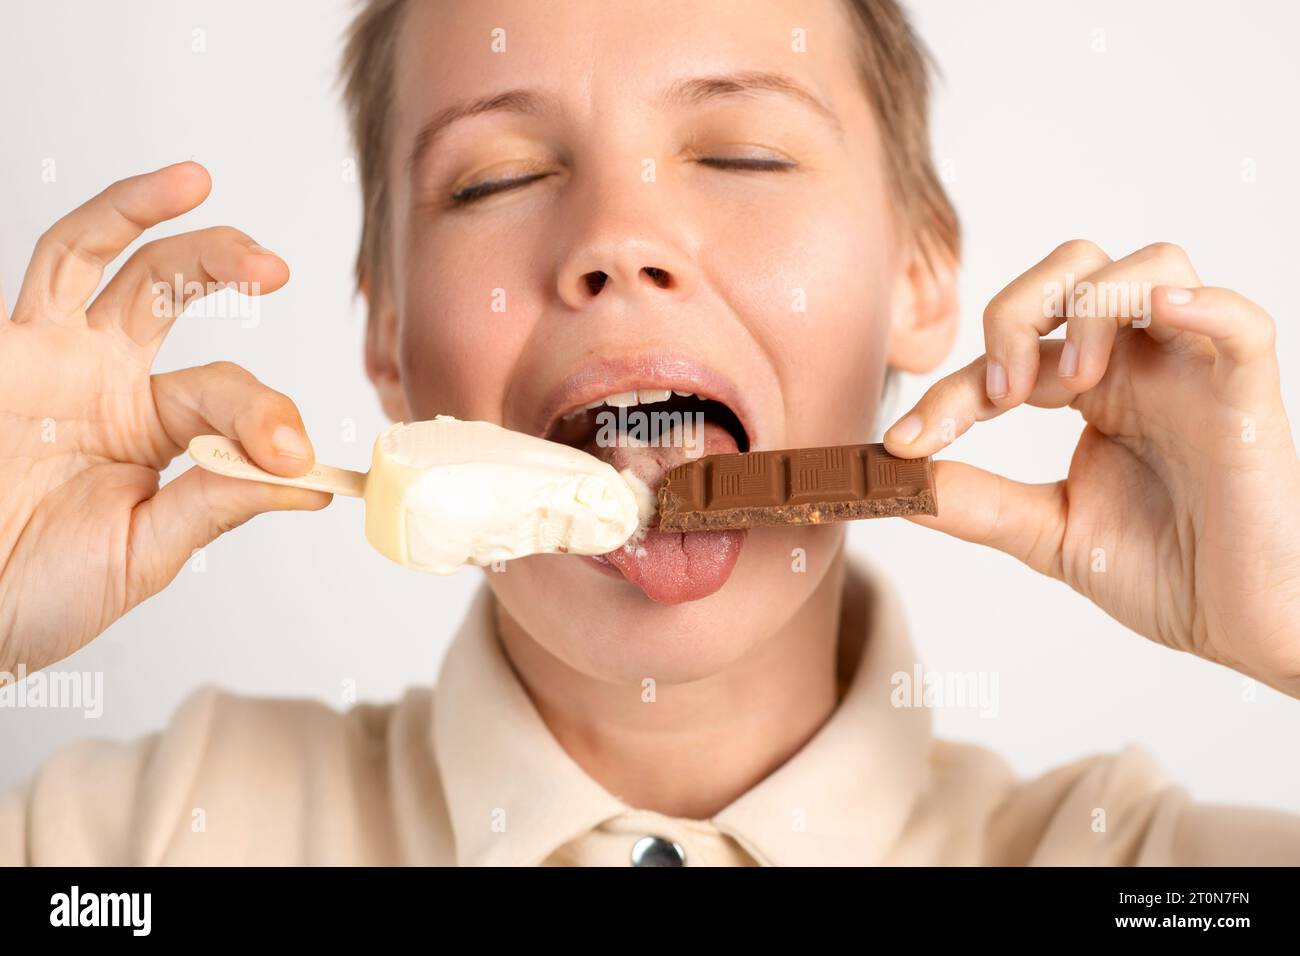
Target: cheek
{"x": 464, "y": 324}
{"x": 812, "y": 279}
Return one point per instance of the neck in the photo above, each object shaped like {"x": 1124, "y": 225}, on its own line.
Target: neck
{"x": 708, "y": 741}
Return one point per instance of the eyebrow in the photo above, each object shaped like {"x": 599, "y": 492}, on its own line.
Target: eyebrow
{"x": 690, "y": 91}
{"x": 694, "y": 91}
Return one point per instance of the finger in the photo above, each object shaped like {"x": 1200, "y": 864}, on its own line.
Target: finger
{"x": 1109, "y": 299}
{"x": 953, "y": 404}
{"x": 224, "y": 399}
{"x": 69, "y": 259}
{"x": 162, "y": 277}
{"x": 1243, "y": 334}
{"x": 1024, "y": 521}
{"x": 189, "y": 512}
{"x": 1027, "y": 309}
{"x": 1241, "y": 331}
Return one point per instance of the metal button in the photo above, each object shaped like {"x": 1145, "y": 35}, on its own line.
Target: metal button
{"x": 657, "y": 851}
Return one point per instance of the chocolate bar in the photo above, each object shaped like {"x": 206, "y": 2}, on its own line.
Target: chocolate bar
{"x": 794, "y": 486}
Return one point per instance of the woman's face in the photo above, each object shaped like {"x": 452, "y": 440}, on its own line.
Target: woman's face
{"x": 590, "y": 198}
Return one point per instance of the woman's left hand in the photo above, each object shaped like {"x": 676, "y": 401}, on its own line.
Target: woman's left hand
{"x": 1180, "y": 515}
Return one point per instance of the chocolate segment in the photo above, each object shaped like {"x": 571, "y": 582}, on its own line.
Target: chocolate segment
{"x": 794, "y": 486}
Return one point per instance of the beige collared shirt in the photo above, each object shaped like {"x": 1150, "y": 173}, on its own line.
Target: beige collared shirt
{"x": 468, "y": 774}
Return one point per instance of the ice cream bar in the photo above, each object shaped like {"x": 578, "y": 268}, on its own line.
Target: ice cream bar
{"x": 794, "y": 486}
{"x": 444, "y": 493}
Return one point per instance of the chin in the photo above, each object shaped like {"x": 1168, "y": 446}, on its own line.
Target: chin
{"x": 607, "y": 628}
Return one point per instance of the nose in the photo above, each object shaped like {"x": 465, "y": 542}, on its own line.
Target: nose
{"x": 624, "y": 253}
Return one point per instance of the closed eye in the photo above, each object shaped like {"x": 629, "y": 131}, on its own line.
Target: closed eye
{"x": 757, "y": 164}
{"x": 482, "y": 190}
{"x": 490, "y": 188}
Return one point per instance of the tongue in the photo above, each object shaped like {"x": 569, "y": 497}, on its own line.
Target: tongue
{"x": 672, "y": 567}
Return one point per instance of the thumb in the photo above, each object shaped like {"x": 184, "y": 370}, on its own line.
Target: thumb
{"x": 191, "y": 511}
{"x": 1025, "y": 521}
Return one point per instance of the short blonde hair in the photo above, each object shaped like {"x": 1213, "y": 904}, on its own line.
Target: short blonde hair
{"x": 895, "y": 71}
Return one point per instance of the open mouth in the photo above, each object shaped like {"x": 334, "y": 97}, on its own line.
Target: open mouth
{"x": 649, "y": 429}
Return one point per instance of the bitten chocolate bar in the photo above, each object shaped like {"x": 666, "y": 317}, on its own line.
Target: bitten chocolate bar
{"x": 795, "y": 486}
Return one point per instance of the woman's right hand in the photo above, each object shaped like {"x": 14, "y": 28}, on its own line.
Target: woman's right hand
{"x": 85, "y": 428}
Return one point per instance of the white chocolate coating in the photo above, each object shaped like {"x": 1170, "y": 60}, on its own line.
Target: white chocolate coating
{"x": 445, "y": 493}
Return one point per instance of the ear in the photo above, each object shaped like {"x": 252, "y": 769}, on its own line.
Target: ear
{"x": 925, "y": 308}
{"x": 382, "y": 365}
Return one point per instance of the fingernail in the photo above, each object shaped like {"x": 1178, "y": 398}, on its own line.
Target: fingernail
{"x": 1069, "y": 359}
{"x": 907, "y": 430}
{"x": 290, "y": 443}
{"x": 260, "y": 250}
{"x": 1178, "y": 296}
{"x": 995, "y": 379}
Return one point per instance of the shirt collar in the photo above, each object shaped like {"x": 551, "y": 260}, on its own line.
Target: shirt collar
{"x": 844, "y": 798}
{"x": 513, "y": 793}
{"x": 515, "y": 796}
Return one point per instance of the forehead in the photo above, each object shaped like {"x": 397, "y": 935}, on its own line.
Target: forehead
{"x": 595, "y": 55}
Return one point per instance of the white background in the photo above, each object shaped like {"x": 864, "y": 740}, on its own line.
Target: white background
{"x": 1044, "y": 138}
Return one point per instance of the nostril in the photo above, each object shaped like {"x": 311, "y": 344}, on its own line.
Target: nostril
{"x": 658, "y": 276}
{"x": 595, "y": 281}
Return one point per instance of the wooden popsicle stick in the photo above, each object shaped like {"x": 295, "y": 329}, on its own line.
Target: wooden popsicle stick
{"x": 225, "y": 457}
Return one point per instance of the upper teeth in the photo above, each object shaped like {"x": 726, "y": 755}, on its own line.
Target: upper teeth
{"x": 640, "y": 396}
